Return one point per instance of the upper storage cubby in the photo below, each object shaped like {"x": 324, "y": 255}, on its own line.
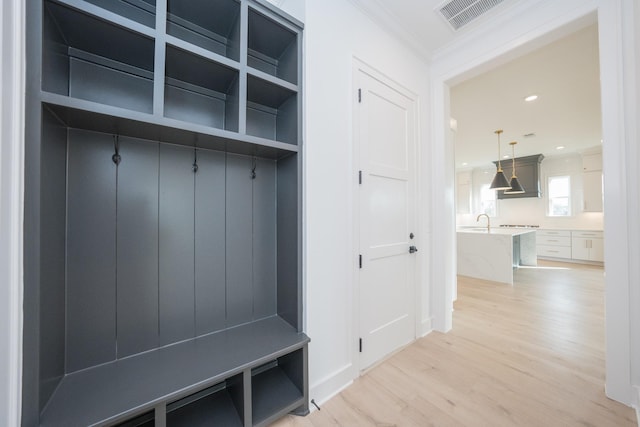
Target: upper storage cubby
{"x": 272, "y": 48}
{"x": 213, "y": 25}
{"x": 272, "y": 111}
{"x": 198, "y": 90}
{"x": 88, "y": 58}
{"x": 142, "y": 11}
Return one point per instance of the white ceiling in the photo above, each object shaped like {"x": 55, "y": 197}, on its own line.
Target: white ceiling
{"x": 418, "y": 22}
{"x": 563, "y": 73}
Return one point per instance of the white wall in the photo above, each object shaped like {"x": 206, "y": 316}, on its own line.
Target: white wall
{"x": 336, "y": 31}
{"x": 11, "y": 188}
{"x": 522, "y": 27}
{"x": 531, "y": 210}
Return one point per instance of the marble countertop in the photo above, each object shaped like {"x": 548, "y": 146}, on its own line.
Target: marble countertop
{"x": 505, "y": 231}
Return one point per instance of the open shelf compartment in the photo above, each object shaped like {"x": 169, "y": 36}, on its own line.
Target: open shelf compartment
{"x": 219, "y": 405}
{"x": 144, "y": 420}
{"x": 198, "y": 90}
{"x": 272, "y": 111}
{"x": 84, "y": 57}
{"x": 277, "y": 386}
{"x": 213, "y": 25}
{"x": 272, "y": 48}
{"x": 141, "y": 11}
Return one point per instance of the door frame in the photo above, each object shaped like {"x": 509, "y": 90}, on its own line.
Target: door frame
{"x": 524, "y": 29}
{"x": 359, "y": 66}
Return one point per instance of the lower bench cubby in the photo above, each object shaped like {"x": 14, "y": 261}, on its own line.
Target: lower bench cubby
{"x": 220, "y": 405}
{"x": 144, "y": 420}
{"x": 277, "y": 386}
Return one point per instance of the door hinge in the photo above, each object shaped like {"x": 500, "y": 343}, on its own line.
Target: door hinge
{"x": 360, "y": 260}
{"x": 359, "y": 95}
{"x": 360, "y": 344}
{"x": 359, "y": 177}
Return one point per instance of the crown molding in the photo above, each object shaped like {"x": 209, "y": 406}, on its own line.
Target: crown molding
{"x": 381, "y": 16}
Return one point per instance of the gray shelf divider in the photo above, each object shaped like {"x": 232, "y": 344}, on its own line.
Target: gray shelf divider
{"x": 101, "y": 118}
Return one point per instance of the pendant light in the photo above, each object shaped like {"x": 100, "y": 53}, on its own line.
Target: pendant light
{"x": 516, "y": 188}
{"x": 499, "y": 181}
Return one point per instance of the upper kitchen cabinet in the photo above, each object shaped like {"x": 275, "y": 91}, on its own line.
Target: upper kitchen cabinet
{"x": 592, "y": 182}
{"x": 463, "y": 192}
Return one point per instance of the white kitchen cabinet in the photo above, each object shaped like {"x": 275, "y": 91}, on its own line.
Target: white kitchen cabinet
{"x": 463, "y": 192}
{"x": 587, "y": 246}
{"x": 553, "y": 243}
{"x": 592, "y": 162}
{"x": 592, "y": 182}
{"x": 592, "y": 191}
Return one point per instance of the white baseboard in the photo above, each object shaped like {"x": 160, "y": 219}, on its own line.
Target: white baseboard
{"x": 331, "y": 385}
{"x": 425, "y": 327}
{"x": 637, "y": 405}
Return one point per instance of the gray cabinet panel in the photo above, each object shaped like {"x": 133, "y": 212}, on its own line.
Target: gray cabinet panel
{"x": 95, "y": 82}
{"x": 176, "y": 251}
{"x": 210, "y": 242}
{"x": 137, "y": 247}
{"x": 264, "y": 239}
{"x": 123, "y": 259}
{"x": 52, "y": 261}
{"x": 91, "y": 250}
{"x": 287, "y": 201}
{"x": 238, "y": 238}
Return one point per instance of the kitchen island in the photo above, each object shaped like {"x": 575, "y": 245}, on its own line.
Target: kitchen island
{"x": 492, "y": 254}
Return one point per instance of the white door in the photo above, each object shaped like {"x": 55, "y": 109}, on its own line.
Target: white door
{"x": 385, "y": 138}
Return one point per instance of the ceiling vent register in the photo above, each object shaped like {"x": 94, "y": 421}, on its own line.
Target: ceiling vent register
{"x": 459, "y": 13}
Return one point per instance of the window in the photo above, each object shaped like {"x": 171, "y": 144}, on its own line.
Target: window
{"x": 488, "y": 200}
{"x": 559, "y": 191}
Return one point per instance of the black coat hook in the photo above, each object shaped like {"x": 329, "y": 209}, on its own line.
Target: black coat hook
{"x": 116, "y": 147}
{"x": 195, "y": 160}
{"x": 253, "y": 169}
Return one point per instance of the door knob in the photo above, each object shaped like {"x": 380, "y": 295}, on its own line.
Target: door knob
{"x": 413, "y": 249}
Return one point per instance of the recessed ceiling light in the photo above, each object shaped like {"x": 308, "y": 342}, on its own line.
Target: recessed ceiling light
{"x": 531, "y": 98}
{"x": 506, "y": 156}
{"x": 560, "y": 147}
{"x": 464, "y": 163}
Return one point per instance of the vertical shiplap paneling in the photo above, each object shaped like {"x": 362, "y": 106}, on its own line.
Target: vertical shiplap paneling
{"x": 91, "y": 250}
{"x": 176, "y": 240}
{"x": 264, "y": 239}
{"x": 137, "y": 247}
{"x": 210, "y": 242}
{"x": 238, "y": 238}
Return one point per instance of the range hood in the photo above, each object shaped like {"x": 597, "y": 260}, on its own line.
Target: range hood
{"x": 528, "y": 171}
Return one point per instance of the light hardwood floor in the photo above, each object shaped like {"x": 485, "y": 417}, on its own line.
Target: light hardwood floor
{"x": 527, "y": 355}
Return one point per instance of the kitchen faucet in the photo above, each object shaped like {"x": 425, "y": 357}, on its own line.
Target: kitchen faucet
{"x": 488, "y": 221}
